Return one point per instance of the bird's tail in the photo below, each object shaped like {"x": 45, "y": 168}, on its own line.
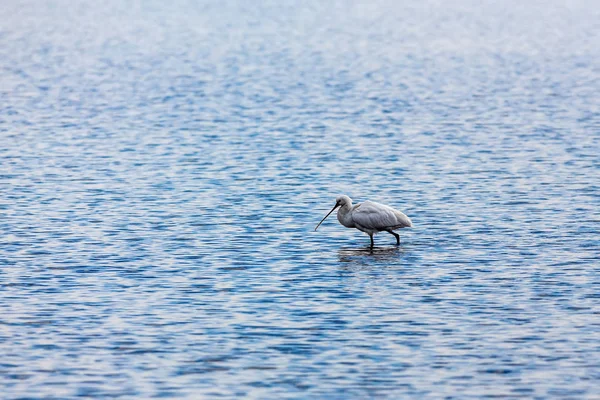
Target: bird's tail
{"x": 403, "y": 220}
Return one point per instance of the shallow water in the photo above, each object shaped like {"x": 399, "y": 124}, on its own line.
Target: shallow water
{"x": 163, "y": 166}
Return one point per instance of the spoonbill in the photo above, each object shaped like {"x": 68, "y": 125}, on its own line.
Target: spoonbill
{"x": 369, "y": 217}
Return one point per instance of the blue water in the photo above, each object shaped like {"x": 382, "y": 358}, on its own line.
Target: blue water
{"x": 163, "y": 166}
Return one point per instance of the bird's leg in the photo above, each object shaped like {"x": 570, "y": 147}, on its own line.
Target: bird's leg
{"x": 372, "y": 242}
{"x": 396, "y": 235}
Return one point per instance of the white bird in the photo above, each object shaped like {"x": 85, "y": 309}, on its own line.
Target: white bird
{"x": 369, "y": 217}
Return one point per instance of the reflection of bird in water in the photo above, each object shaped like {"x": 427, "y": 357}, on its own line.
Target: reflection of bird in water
{"x": 369, "y": 217}
{"x": 366, "y": 255}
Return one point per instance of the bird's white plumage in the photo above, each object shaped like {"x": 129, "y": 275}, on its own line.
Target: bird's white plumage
{"x": 373, "y": 217}
{"x": 369, "y": 217}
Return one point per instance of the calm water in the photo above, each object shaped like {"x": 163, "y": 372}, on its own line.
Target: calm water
{"x": 163, "y": 165}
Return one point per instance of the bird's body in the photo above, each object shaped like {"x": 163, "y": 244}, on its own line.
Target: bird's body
{"x": 369, "y": 217}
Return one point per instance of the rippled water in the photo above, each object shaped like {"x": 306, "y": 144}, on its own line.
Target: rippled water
{"x": 163, "y": 165}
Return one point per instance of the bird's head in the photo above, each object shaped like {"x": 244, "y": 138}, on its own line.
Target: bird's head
{"x": 340, "y": 201}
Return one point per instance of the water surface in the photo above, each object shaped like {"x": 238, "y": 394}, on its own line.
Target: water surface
{"x": 163, "y": 165}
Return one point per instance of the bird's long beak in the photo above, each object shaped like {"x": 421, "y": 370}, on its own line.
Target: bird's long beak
{"x": 319, "y": 224}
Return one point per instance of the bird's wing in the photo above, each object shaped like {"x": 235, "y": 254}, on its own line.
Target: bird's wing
{"x": 377, "y": 216}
